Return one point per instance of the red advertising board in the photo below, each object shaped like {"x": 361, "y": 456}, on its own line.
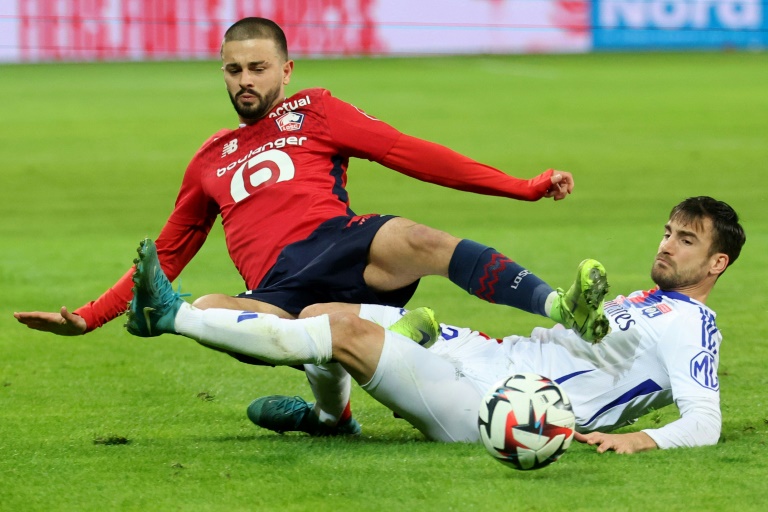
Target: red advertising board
{"x": 52, "y": 30}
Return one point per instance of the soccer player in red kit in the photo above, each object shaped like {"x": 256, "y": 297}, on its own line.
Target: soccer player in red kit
{"x": 278, "y": 182}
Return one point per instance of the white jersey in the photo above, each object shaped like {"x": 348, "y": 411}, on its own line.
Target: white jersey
{"x": 663, "y": 348}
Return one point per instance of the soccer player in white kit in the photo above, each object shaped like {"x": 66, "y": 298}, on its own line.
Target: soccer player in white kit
{"x": 663, "y": 348}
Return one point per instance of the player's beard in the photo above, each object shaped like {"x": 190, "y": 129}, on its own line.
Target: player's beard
{"x": 670, "y": 278}
{"x": 260, "y": 107}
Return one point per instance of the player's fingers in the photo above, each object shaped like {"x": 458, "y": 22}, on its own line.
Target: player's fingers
{"x": 66, "y": 315}
{"x": 566, "y": 182}
{"x": 603, "y": 448}
{"x": 591, "y": 439}
{"x": 26, "y": 319}
{"x": 73, "y": 324}
{"x": 562, "y": 185}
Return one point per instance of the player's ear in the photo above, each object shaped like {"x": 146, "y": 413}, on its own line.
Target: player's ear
{"x": 718, "y": 263}
{"x": 287, "y": 71}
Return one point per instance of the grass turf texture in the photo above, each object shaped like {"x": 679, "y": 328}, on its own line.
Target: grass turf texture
{"x": 92, "y": 157}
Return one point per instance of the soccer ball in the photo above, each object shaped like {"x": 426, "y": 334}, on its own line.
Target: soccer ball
{"x": 526, "y": 421}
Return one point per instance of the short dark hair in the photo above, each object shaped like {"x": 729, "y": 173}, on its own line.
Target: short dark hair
{"x": 257, "y": 28}
{"x": 728, "y": 236}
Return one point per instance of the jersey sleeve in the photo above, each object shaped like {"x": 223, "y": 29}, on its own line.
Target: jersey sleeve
{"x": 179, "y": 240}
{"x": 699, "y": 425}
{"x": 362, "y": 136}
{"x": 690, "y": 353}
{"x": 437, "y": 164}
{"x": 355, "y": 133}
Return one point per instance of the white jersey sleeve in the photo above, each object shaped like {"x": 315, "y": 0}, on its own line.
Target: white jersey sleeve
{"x": 690, "y": 350}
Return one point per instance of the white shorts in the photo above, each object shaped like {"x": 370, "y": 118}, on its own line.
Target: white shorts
{"x": 429, "y": 388}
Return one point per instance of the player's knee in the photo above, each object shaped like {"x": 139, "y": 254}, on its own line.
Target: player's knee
{"x": 429, "y": 240}
{"x": 214, "y": 300}
{"x": 312, "y": 310}
{"x": 347, "y": 330}
{"x": 326, "y": 308}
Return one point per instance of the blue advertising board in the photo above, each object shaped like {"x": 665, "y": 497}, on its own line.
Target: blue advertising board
{"x": 679, "y": 24}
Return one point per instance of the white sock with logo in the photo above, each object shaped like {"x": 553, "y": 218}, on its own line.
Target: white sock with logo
{"x": 267, "y": 337}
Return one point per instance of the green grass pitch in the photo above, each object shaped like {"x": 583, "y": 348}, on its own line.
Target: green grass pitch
{"x": 91, "y": 157}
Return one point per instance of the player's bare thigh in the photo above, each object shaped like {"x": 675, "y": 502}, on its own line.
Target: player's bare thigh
{"x": 403, "y": 251}
{"x": 221, "y": 301}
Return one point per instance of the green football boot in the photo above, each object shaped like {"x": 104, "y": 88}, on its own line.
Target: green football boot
{"x": 419, "y": 325}
{"x": 154, "y": 306}
{"x": 581, "y": 307}
{"x": 292, "y": 414}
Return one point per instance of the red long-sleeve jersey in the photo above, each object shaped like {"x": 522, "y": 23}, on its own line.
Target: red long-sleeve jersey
{"x": 275, "y": 181}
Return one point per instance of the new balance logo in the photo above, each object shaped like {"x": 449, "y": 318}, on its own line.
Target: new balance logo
{"x": 229, "y": 148}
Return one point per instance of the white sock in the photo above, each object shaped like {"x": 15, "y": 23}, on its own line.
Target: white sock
{"x": 331, "y": 385}
{"x": 384, "y": 316}
{"x": 370, "y": 312}
{"x": 266, "y": 337}
{"x": 548, "y": 304}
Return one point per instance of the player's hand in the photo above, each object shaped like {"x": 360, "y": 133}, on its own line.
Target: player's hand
{"x": 620, "y": 443}
{"x": 562, "y": 185}
{"x": 62, "y": 323}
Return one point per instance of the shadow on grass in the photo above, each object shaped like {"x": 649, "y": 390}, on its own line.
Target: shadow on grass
{"x": 298, "y": 437}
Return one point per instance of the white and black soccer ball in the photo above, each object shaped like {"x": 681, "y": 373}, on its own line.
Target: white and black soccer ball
{"x": 526, "y": 421}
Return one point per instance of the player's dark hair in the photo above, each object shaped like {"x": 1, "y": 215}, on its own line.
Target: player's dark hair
{"x": 257, "y": 28}
{"x": 728, "y": 236}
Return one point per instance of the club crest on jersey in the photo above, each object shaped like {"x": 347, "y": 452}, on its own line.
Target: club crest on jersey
{"x": 704, "y": 370}
{"x": 654, "y": 311}
{"x": 290, "y": 122}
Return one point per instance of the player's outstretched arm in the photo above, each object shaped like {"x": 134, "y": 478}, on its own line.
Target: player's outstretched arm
{"x": 62, "y": 323}
{"x": 620, "y": 443}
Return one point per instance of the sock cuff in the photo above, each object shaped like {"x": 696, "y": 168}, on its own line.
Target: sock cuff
{"x": 464, "y": 260}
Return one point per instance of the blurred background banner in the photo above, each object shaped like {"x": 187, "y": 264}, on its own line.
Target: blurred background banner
{"x": 63, "y": 30}
{"x": 51, "y": 30}
{"x": 679, "y": 24}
